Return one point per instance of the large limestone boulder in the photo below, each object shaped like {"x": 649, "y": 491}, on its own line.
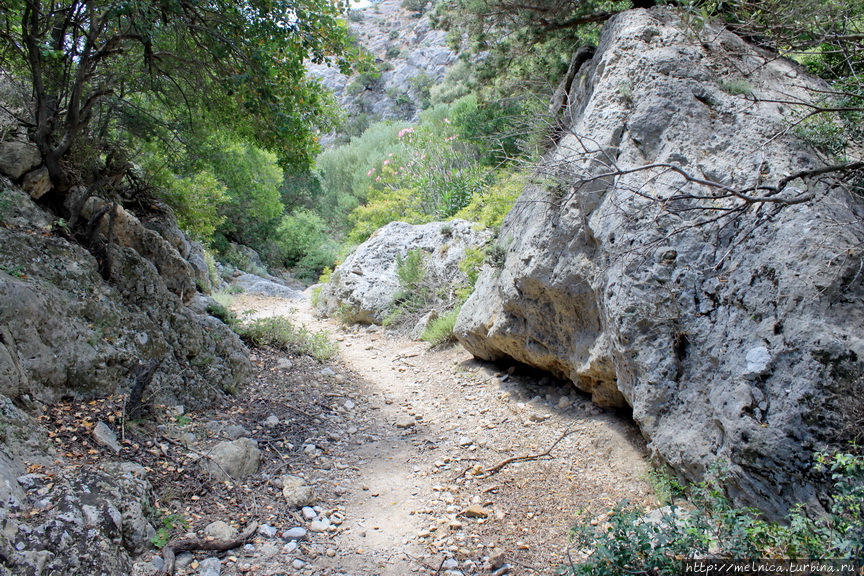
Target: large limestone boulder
{"x": 362, "y": 289}
{"x": 734, "y": 333}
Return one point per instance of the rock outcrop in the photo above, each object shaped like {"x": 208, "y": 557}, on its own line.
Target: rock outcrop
{"x": 732, "y": 329}
{"x": 73, "y": 520}
{"x": 363, "y": 288}
{"x": 410, "y": 54}
{"x": 64, "y": 329}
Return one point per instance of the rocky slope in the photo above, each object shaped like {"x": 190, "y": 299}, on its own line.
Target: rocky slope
{"x": 78, "y": 324}
{"x": 732, "y": 331}
{"x": 410, "y": 55}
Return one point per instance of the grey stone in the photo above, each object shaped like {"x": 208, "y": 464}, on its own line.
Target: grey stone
{"x": 319, "y": 525}
{"x": 210, "y": 567}
{"x": 423, "y": 50}
{"x": 296, "y": 533}
{"x": 266, "y": 286}
{"x": 220, "y": 530}
{"x": 18, "y": 158}
{"x": 694, "y": 329}
{"x": 308, "y": 513}
{"x": 184, "y": 559}
{"x": 36, "y": 183}
{"x": 271, "y": 421}
{"x": 758, "y": 359}
{"x": 235, "y": 431}
{"x": 363, "y": 287}
{"x": 267, "y": 531}
{"x": 285, "y": 364}
{"x": 65, "y": 330}
{"x": 236, "y": 459}
{"x": 296, "y": 492}
{"x": 106, "y": 437}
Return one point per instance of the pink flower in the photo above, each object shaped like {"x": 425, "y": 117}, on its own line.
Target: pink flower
{"x": 386, "y": 162}
{"x": 377, "y": 179}
{"x": 404, "y": 132}
{"x": 370, "y": 172}
{"x": 446, "y": 120}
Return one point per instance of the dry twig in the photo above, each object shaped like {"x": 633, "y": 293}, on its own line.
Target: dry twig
{"x": 525, "y": 457}
{"x": 170, "y": 551}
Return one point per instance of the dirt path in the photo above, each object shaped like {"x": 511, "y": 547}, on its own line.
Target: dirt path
{"x": 402, "y": 460}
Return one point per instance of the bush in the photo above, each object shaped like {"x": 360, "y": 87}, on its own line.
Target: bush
{"x": 279, "y": 332}
{"x": 440, "y": 330}
{"x": 628, "y": 542}
{"x": 297, "y": 235}
{"x": 493, "y": 203}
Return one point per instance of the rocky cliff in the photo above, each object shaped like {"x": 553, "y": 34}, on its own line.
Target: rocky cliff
{"x": 636, "y": 268}
{"x": 77, "y": 322}
{"x": 66, "y": 330}
{"x": 410, "y": 57}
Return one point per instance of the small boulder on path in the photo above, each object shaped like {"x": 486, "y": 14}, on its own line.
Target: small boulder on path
{"x": 236, "y": 459}
{"x": 296, "y": 492}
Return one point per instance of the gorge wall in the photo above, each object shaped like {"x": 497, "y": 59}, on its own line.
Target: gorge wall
{"x": 732, "y": 328}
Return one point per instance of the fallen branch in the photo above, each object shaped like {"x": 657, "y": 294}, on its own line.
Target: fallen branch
{"x": 524, "y": 458}
{"x": 169, "y": 552}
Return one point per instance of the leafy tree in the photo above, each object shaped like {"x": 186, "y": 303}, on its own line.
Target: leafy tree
{"x": 98, "y": 68}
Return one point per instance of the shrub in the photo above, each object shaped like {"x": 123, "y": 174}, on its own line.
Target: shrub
{"x": 221, "y": 312}
{"x": 470, "y": 265}
{"x": 440, "y": 330}
{"x": 298, "y": 234}
{"x": 493, "y": 203}
{"x": 628, "y": 542}
{"x": 279, "y": 332}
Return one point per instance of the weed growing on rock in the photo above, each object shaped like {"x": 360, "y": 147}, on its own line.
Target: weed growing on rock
{"x": 630, "y": 540}
{"x": 737, "y": 87}
{"x": 170, "y": 525}
{"x": 440, "y": 330}
{"x": 279, "y": 332}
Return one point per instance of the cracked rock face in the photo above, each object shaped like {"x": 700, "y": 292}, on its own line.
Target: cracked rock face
{"x": 733, "y": 338}
{"x": 64, "y": 329}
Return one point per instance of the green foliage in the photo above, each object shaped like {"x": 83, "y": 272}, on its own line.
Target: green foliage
{"x": 171, "y": 524}
{"x": 737, "y": 87}
{"x": 252, "y": 178}
{"x": 525, "y": 48}
{"x": 118, "y": 71}
{"x": 493, "y": 203}
{"x": 825, "y": 134}
{"x": 414, "y": 293}
{"x": 629, "y": 543}
{"x": 221, "y": 312}
{"x": 439, "y": 331}
{"x": 471, "y": 263}
{"x": 297, "y": 234}
{"x": 458, "y": 82}
{"x": 421, "y": 85}
{"x": 279, "y": 332}
{"x": 197, "y": 201}
{"x": 417, "y": 6}
{"x": 345, "y": 172}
